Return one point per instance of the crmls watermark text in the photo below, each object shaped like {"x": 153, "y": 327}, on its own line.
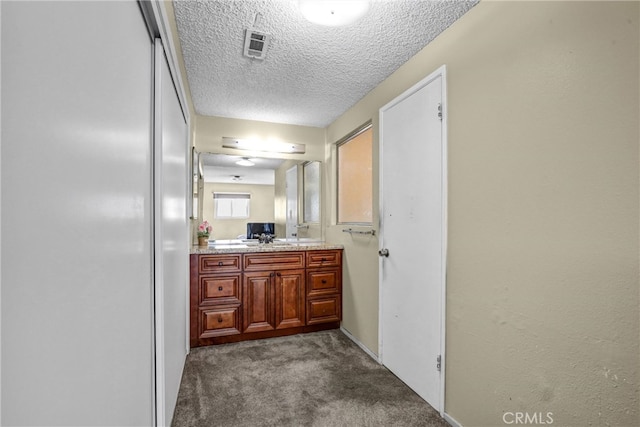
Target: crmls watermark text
{"x": 526, "y": 418}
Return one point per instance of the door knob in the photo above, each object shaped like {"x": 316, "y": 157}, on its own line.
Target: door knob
{"x": 384, "y": 252}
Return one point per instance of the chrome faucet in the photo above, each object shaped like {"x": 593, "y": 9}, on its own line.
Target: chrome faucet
{"x": 265, "y": 238}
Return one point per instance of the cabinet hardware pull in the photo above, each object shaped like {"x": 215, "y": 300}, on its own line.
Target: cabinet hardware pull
{"x": 219, "y": 288}
{"x": 324, "y": 281}
{"x": 220, "y": 263}
{"x": 272, "y": 274}
{"x": 323, "y": 259}
{"x": 278, "y": 274}
{"x": 219, "y": 319}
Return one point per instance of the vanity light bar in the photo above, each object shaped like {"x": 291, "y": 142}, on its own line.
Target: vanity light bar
{"x": 257, "y": 145}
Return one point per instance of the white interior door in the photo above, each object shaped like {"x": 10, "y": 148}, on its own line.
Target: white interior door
{"x": 292, "y": 202}
{"x": 413, "y": 233}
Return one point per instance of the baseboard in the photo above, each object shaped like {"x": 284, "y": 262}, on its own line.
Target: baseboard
{"x": 448, "y": 418}
{"x": 359, "y": 344}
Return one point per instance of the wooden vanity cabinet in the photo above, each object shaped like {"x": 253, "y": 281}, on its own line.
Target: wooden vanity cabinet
{"x": 215, "y": 296}
{"x": 274, "y": 291}
{"x": 273, "y": 300}
{"x": 324, "y": 287}
{"x": 235, "y": 297}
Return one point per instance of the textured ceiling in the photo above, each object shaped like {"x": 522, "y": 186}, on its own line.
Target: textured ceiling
{"x": 311, "y": 74}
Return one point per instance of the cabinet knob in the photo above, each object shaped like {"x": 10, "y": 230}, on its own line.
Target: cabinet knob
{"x": 219, "y": 319}
{"x": 220, "y": 288}
{"x": 220, "y": 263}
{"x": 323, "y": 259}
{"x": 278, "y": 274}
{"x": 324, "y": 281}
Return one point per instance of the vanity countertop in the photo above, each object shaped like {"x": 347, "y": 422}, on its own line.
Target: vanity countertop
{"x": 266, "y": 247}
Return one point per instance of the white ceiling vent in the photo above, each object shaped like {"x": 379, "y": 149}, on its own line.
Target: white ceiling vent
{"x": 255, "y": 44}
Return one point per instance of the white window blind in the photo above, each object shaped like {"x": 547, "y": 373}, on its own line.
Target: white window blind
{"x": 231, "y": 205}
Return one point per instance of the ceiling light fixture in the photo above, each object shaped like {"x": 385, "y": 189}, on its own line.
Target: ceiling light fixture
{"x": 245, "y": 162}
{"x": 259, "y": 145}
{"x": 333, "y": 13}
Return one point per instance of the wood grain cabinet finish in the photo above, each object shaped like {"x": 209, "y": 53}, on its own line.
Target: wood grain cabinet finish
{"x": 219, "y": 263}
{"x": 219, "y": 321}
{"x": 317, "y": 259}
{"x": 220, "y": 289}
{"x": 290, "y": 299}
{"x": 268, "y": 261}
{"x": 324, "y": 287}
{"x": 236, "y": 297}
{"x": 273, "y": 300}
{"x": 323, "y": 282}
{"x": 215, "y": 297}
{"x": 324, "y": 309}
{"x": 258, "y": 308}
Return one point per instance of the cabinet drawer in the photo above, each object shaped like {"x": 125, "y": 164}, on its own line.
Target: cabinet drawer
{"x": 273, "y": 261}
{"x": 220, "y": 289}
{"x": 218, "y": 321}
{"x": 219, "y": 263}
{"x": 323, "y": 282}
{"x": 323, "y": 310}
{"x": 324, "y": 258}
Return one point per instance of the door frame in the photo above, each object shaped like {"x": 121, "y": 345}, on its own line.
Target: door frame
{"x": 442, "y": 73}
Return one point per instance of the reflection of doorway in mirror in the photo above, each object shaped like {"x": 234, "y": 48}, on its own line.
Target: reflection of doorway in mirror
{"x": 292, "y": 202}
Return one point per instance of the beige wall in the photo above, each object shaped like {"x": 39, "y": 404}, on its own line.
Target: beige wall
{"x": 261, "y": 210}
{"x": 209, "y": 132}
{"x": 542, "y": 278}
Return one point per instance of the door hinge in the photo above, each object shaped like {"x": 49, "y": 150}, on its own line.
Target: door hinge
{"x": 438, "y": 362}
{"x": 440, "y": 111}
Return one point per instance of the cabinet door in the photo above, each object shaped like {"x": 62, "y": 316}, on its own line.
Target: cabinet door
{"x": 325, "y": 281}
{"x": 272, "y": 261}
{"x": 257, "y": 301}
{"x": 324, "y": 309}
{"x": 218, "y": 321}
{"x": 219, "y": 289}
{"x": 331, "y": 258}
{"x": 228, "y": 263}
{"x": 290, "y": 299}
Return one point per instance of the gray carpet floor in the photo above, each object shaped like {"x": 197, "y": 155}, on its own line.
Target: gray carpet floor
{"x": 317, "y": 379}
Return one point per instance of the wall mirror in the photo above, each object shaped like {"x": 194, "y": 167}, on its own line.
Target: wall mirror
{"x": 237, "y": 190}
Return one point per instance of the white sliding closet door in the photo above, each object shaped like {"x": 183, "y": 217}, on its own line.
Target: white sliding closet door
{"x": 77, "y": 341}
{"x": 171, "y": 238}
